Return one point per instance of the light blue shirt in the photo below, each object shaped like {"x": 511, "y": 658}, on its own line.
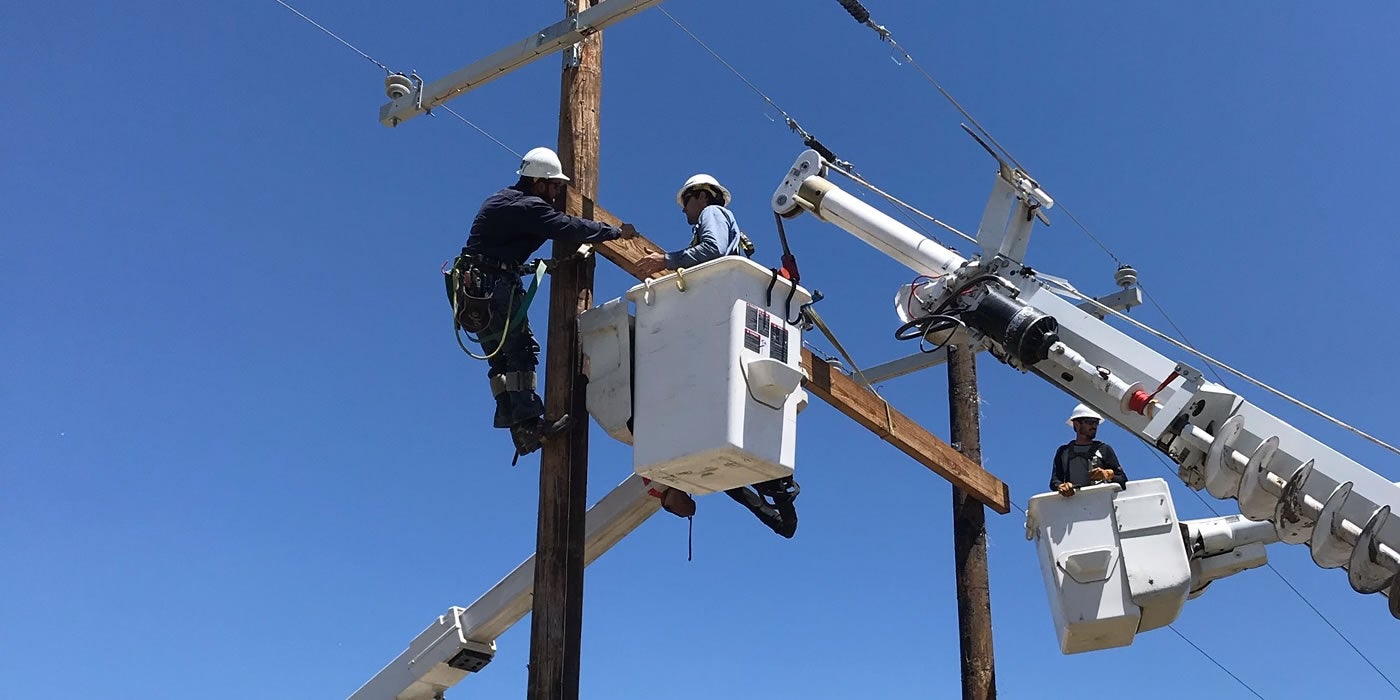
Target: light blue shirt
{"x": 715, "y": 235}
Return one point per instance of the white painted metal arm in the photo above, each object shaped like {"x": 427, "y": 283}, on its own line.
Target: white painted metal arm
{"x": 1225, "y": 546}
{"x": 1220, "y": 442}
{"x": 546, "y": 41}
{"x": 463, "y": 640}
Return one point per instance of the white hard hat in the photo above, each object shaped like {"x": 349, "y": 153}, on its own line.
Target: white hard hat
{"x": 542, "y": 163}
{"x": 702, "y": 180}
{"x": 1082, "y": 411}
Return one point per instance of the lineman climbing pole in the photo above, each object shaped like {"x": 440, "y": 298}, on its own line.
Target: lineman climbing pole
{"x": 557, "y": 623}
{"x": 462, "y": 641}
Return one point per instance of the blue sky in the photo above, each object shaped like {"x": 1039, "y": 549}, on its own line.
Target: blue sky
{"x": 243, "y": 456}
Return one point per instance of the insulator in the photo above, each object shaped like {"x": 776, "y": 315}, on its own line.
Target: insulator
{"x": 1364, "y": 574}
{"x": 1328, "y": 550}
{"x": 1222, "y": 481}
{"x": 397, "y": 85}
{"x": 1256, "y": 503}
{"x": 1125, "y": 276}
{"x": 1395, "y": 596}
{"x": 821, "y": 149}
{"x": 1290, "y": 518}
{"x": 856, "y": 9}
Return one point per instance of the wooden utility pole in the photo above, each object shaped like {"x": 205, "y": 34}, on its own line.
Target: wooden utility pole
{"x": 557, "y": 622}
{"x": 970, "y": 533}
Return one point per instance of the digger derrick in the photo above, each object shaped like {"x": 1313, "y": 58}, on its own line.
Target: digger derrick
{"x": 1220, "y": 443}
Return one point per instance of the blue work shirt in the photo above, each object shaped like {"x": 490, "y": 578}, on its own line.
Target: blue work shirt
{"x": 512, "y": 225}
{"x": 715, "y": 235}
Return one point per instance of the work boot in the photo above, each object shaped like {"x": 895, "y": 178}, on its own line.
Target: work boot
{"x": 772, "y": 503}
{"x": 503, "y": 411}
{"x": 524, "y": 406}
{"x": 530, "y": 435}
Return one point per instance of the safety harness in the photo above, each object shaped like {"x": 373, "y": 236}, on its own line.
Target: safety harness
{"x": 469, "y": 291}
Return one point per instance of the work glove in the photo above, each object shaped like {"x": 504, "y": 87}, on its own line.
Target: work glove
{"x": 1101, "y": 474}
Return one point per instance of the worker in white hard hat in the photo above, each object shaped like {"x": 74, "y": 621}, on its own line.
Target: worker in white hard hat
{"x": 1085, "y": 461}
{"x": 714, "y": 233}
{"x": 510, "y": 226}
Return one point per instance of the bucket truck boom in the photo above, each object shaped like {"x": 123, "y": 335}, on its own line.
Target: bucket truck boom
{"x": 1303, "y": 490}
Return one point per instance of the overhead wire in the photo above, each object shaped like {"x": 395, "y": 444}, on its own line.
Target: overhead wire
{"x": 335, "y": 36}
{"x": 861, "y": 15}
{"x": 390, "y": 71}
{"x": 1197, "y": 647}
{"x": 483, "y": 132}
{"x": 1069, "y": 289}
{"x": 846, "y": 169}
{"x": 900, "y": 203}
{"x": 1212, "y": 363}
{"x": 1167, "y": 466}
{"x": 1217, "y": 663}
{"x": 811, "y": 141}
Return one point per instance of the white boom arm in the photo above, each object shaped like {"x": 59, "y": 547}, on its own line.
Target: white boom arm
{"x": 463, "y": 640}
{"x": 1220, "y": 442}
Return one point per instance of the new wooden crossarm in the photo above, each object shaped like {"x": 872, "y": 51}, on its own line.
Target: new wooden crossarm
{"x": 836, "y": 388}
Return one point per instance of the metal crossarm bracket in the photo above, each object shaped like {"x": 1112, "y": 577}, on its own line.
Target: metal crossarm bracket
{"x": 556, "y": 37}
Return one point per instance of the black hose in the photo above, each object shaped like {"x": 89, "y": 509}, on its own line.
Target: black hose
{"x": 938, "y": 320}
{"x": 923, "y": 325}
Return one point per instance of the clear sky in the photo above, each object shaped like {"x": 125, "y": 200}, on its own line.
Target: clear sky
{"x": 243, "y": 456}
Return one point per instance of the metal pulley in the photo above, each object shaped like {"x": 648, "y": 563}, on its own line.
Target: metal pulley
{"x": 397, "y": 86}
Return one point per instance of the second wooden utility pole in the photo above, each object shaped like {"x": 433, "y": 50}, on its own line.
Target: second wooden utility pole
{"x": 970, "y": 533}
{"x": 557, "y": 622}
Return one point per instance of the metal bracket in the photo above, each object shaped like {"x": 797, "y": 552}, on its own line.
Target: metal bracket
{"x": 574, "y": 54}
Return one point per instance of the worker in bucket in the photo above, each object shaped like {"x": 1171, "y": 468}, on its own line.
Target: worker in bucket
{"x": 490, "y": 300}
{"x": 1085, "y": 461}
{"x": 714, "y": 233}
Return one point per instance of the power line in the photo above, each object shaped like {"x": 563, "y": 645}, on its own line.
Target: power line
{"x": 1217, "y": 663}
{"x": 845, "y": 169}
{"x": 862, "y": 16}
{"x": 792, "y": 123}
{"x": 1069, "y": 289}
{"x": 841, "y": 166}
{"x": 1334, "y": 628}
{"x": 389, "y": 71}
{"x": 484, "y": 132}
{"x": 1167, "y": 466}
{"x": 898, "y": 202}
{"x": 333, "y": 35}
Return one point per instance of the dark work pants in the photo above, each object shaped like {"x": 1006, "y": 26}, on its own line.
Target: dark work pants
{"x": 520, "y": 353}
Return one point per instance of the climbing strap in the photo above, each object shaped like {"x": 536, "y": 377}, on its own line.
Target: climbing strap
{"x": 512, "y": 381}
{"x": 541, "y": 268}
